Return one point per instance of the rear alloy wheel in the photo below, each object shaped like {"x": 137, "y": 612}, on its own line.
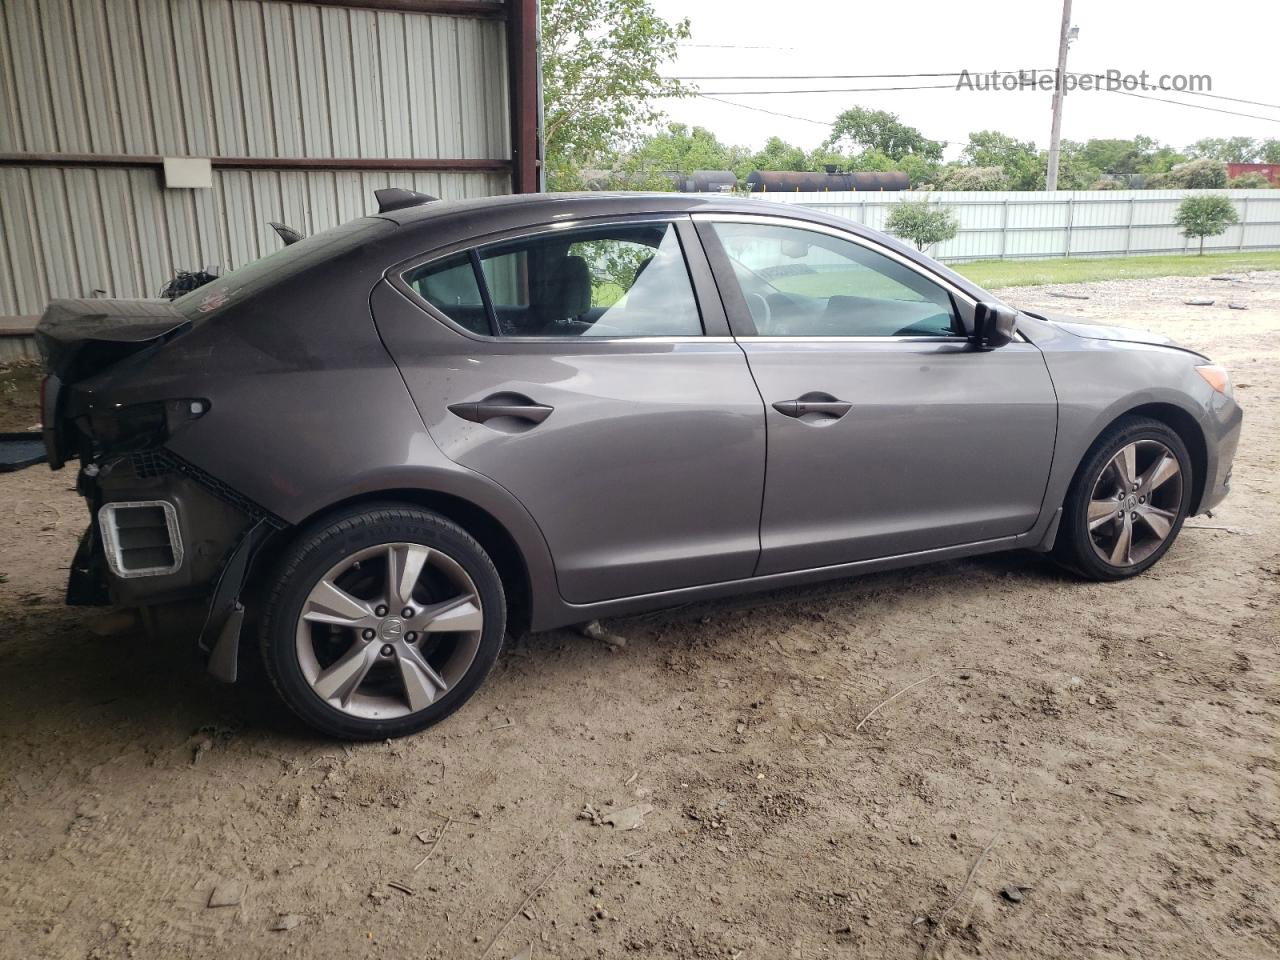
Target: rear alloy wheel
{"x": 384, "y": 622}
{"x": 1128, "y": 501}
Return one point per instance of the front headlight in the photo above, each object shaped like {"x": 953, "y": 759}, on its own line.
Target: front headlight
{"x": 1217, "y": 377}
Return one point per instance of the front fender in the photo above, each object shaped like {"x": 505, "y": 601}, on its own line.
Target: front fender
{"x": 1099, "y": 381}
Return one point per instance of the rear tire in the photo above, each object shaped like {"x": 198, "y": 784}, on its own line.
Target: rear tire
{"x": 382, "y": 621}
{"x": 1127, "y": 502}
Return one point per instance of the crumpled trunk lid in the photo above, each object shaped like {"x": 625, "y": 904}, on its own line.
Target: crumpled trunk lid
{"x": 80, "y": 338}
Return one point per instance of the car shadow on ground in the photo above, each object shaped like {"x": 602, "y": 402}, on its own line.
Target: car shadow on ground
{"x": 64, "y": 681}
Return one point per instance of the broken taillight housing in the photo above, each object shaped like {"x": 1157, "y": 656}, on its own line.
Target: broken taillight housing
{"x": 140, "y": 426}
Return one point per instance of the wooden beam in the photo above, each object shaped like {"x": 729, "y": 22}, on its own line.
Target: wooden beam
{"x": 262, "y": 163}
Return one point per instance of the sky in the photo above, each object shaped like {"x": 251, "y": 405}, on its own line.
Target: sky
{"x": 1238, "y": 51}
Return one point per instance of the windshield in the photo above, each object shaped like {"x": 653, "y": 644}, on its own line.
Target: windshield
{"x": 243, "y": 282}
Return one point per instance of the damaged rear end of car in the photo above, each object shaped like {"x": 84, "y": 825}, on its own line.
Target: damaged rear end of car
{"x": 160, "y": 532}
{"x": 127, "y": 382}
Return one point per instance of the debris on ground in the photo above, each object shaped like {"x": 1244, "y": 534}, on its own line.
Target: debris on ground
{"x": 1237, "y": 306}
{"x": 628, "y": 818}
{"x": 1068, "y": 296}
{"x": 1012, "y": 893}
{"x": 199, "y": 747}
{"x": 226, "y": 893}
{"x": 594, "y": 630}
{"x": 287, "y": 921}
{"x": 1198, "y": 302}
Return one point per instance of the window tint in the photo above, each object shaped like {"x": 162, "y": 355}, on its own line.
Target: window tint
{"x": 623, "y": 280}
{"x": 450, "y": 286}
{"x": 799, "y": 283}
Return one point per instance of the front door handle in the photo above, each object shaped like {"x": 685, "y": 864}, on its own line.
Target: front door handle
{"x": 825, "y": 405}
{"x": 502, "y": 405}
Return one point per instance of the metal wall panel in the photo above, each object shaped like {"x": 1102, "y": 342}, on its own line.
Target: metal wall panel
{"x": 257, "y": 78}
{"x": 223, "y": 78}
{"x": 72, "y": 231}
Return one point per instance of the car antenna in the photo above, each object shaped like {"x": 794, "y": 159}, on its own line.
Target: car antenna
{"x": 397, "y": 198}
{"x": 286, "y": 233}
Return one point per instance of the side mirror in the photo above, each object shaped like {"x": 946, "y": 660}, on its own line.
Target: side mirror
{"x": 994, "y": 325}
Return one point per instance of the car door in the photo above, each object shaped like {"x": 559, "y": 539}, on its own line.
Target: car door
{"x": 888, "y": 433}
{"x": 586, "y": 370}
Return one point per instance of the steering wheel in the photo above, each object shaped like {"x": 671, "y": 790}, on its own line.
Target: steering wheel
{"x": 761, "y": 312}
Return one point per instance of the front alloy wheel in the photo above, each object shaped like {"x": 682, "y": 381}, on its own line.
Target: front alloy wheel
{"x": 1135, "y": 503}
{"x": 1127, "y": 502}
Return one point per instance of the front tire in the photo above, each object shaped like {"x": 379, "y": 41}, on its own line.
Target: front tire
{"x": 1127, "y": 502}
{"x": 382, "y": 621}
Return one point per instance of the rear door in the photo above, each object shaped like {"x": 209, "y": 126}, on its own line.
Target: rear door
{"x": 887, "y": 433}
{"x": 585, "y": 368}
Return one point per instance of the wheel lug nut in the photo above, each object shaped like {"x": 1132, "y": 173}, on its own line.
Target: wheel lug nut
{"x": 387, "y": 650}
{"x": 410, "y": 637}
{"x": 1142, "y": 499}
{"x": 380, "y": 611}
{"x": 368, "y": 634}
{"x": 1134, "y": 515}
{"x": 407, "y": 613}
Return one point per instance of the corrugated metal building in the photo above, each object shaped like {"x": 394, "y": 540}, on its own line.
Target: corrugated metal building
{"x": 303, "y": 108}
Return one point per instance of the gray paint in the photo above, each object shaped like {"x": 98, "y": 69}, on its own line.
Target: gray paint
{"x": 332, "y": 384}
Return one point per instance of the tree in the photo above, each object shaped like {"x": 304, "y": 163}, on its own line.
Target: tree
{"x": 1206, "y": 215}
{"x": 678, "y": 149}
{"x": 1202, "y": 174}
{"x": 780, "y": 155}
{"x": 922, "y": 222}
{"x": 1249, "y": 181}
{"x": 882, "y": 131}
{"x": 601, "y": 62}
{"x": 1016, "y": 158}
{"x": 973, "y": 178}
{"x": 1225, "y": 150}
{"x": 1074, "y": 170}
{"x": 1269, "y": 151}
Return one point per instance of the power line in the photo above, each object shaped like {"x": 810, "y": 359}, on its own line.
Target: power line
{"x": 816, "y": 76}
{"x": 901, "y": 76}
{"x": 1193, "y": 106}
{"x": 773, "y": 113}
{"x": 770, "y": 93}
{"x": 1188, "y": 93}
{"x": 791, "y": 116}
{"x": 729, "y": 46}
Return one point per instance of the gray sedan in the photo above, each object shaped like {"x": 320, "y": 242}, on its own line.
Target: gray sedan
{"x": 384, "y": 447}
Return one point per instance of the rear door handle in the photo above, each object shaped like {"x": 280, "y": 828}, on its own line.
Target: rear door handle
{"x": 520, "y": 407}
{"x": 828, "y": 407}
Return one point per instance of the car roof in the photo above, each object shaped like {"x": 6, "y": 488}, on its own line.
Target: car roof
{"x": 445, "y": 221}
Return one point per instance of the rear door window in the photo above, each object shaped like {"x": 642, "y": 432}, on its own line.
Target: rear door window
{"x": 620, "y": 280}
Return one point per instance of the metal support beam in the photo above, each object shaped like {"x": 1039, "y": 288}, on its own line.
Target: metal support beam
{"x": 524, "y": 78}
{"x": 449, "y": 8}
{"x": 259, "y": 163}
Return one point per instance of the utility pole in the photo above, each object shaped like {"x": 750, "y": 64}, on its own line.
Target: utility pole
{"x": 1059, "y": 91}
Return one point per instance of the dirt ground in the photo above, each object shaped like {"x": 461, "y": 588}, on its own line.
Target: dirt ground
{"x": 1079, "y": 770}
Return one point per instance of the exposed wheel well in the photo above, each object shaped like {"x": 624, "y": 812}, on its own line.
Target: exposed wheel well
{"x": 1185, "y": 426}
{"x": 482, "y": 525}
